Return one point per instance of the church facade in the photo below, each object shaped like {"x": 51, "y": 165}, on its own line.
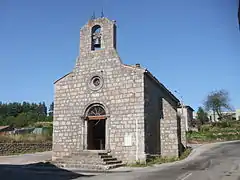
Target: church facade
{"x": 104, "y": 105}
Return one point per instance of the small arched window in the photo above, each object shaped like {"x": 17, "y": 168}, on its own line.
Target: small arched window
{"x": 96, "y": 37}
{"x": 96, "y": 111}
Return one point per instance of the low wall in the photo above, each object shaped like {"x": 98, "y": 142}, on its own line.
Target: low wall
{"x": 21, "y": 148}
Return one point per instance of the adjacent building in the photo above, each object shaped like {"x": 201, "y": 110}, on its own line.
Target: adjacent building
{"x": 238, "y": 114}
{"x": 187, "y": 115}
{"x": 232, "y": 115}
{"x": 6, "y": 130}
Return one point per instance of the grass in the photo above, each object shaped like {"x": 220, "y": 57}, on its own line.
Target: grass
{"x": 43, "y": 124}
{"x": 161, "y": 160}
{"x": 219, "y": 131}
{"x": 185, "y": 154}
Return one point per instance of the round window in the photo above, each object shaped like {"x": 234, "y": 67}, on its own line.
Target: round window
{"x": 96, "y": 82}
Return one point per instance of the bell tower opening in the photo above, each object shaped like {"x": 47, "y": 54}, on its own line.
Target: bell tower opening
{"x": 96, "y": 37}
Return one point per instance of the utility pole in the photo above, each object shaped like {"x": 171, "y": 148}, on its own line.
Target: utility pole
{"x": 181, "y": 100}
{"x": 183, "y": 119}
{"x": 182, "y": 106}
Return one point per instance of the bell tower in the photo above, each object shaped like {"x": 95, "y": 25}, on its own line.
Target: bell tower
{"x": 97, "y": 35}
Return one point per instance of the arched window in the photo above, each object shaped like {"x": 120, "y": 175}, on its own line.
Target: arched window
{"x": 95, "y": 111}
{"x": 96, "y": 37}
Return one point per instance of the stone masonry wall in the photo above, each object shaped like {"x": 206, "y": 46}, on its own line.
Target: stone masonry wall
{"x": 153, "y": 115}
{"x": 169, "y": 135}
{"x": 66, "y": 128}
{"x": 183, "y": 132}
{"x": 183, "y": 125}
{"x": 161, "y": 126}
{"x": 121, "y": 95}
{"x": 17, "y": 148}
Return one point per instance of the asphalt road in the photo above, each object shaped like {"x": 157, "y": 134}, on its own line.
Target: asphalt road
{"x": 26, "y": 158}
{"x": 220, "y": 163}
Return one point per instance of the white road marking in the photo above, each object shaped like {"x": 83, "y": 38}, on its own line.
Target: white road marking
{"x": 185, "y": 176}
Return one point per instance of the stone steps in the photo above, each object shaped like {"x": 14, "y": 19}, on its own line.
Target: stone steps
{"x": 90, "y": 166}
{"x": 106, "y": 156}
{"x": 109, "y": 159}
{"x": 113, "y": 162}
{"x": 89, "y": 152}
{"x": 103, "y": 162}
{"x": 98, "y": 160}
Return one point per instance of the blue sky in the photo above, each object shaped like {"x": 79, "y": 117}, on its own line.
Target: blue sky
{"x": 192, "y": 46}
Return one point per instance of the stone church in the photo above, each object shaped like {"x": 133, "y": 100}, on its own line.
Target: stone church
{"x": 107, "y": 109}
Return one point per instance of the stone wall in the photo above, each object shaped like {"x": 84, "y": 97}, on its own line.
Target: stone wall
{"x": 21, "y": 148}
{"x": 162, "y": 135}
{"x": 187, "y": 116}
{"x": 152, "y": 116}
{"x": 122, "y": 98}
{"x": 169, "y": 130}
{"x": 183, "y": 115}
{"x": 183, "y": 132}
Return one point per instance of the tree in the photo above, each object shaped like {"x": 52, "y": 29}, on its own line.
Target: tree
{"x": 51, "y": 108}
{"x": 42, "y": 109}
{"x": 26, "y": 107}
{"x": 218, "y": 101}
{"x": 9, "y": 120}
{"x": 22, "y": 114}
{"x": 21, "y": 120}
{"x": 13, "y": 109}
{"x": 202, "y": 116}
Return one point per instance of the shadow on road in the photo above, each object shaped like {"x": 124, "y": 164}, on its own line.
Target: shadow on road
{"x": 37, "y": 171}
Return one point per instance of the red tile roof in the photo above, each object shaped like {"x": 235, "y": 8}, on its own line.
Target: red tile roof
{"x": 3, "y": 127}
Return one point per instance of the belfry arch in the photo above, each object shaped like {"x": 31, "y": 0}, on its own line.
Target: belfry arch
{"x": 96, "y": 34}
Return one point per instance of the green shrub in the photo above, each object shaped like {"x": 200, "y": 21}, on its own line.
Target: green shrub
{"x": 218, "y": 131}
{"x": 223, "y": 124}
{"x": 161, "y": 160}
{"x": 186, "y": 153}
{"x": 138, "y": 164}
{"x": 43, "y": 124}
{"x": 205, "y": 128}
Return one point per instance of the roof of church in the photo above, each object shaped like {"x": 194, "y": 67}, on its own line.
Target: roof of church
{"x": 161, "y": 85}
{"x": 155, "y": 79}
{"x": 62, "y": 77}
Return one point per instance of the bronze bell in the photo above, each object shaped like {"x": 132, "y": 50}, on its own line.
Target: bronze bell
{"x": 97, "y": 42}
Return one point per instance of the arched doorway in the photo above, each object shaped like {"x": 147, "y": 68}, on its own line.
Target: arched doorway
{"x": 96, "y": 127}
